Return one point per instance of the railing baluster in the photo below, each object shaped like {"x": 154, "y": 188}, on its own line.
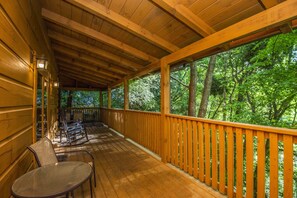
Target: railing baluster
{"x": 261, "y": 165}
{"x": 207, "y": 153}
{"x": 230, "y": 162}
{"x": 288, "y": 166}
{"x": 249, "y": 164}
{"x": 190, "y": 148}
{"x": 214, "y": 175}
{"x": 222, "y": 159}
{"x": 195, "y": 147}
{"x": 201, "y": 151}
{"x": 273, "y": 165}
{"x": 239, "y": 163}
{"x": 185, "y": 144}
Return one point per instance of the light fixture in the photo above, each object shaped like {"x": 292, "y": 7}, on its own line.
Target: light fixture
{"x": 41, "y": 63}
{"x": 45, "y": 84}
{"x": 56, "y": 84}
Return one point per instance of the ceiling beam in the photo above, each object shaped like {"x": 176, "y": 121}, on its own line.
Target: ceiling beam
{"x": 82, "y": 88}
{"x": 92, "y": 49}
{"x": 89, "y": 32}
{"x": 82, "y": 75}
{"x": 75, "y": 78}
{"x": 76, "y": 63}
{"x": 89, "y": 73}
{"x": 85, "y": 58}
{"x": 272, "y": 17}
{"x": 269, "y": 3}
{"x": 117, "y": 19}
{"x": 266, "y": 4}
{"x": 186, "y": 16}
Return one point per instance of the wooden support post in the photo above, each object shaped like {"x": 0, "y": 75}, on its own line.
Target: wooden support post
{"x": 42, "y": 106}
{"x": 100, "y": 105}
{"x": 126, "y": 103}
{"x": 165, "y": 107}
{"x": 109, "y": 98}
{"x": 48, "y": 104}
{"x": 34, "y": 113}
{"x": 101, "y": 99}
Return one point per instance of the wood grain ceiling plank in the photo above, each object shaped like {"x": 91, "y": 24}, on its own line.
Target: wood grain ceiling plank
{"x": 77, "y": 63}
{"x": 81, "y": 79}
{"x": 89, "y": 59}
{"x": 126, "y": 24}
{"x": 186, "y": 16}
{"x": 83, "y": 71}
{"x": 82, "y": 75}
{"x": 102, "y": 65}
{"x": 77, "y": 27}
{"x": 93, "y": 49}
{"x": 78, "y": 67}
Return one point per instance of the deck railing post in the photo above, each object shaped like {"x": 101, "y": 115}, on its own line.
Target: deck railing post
{"x": 165, "y": 107}
{"x": 108, "y": 105}
{"x": 126, "y": 104}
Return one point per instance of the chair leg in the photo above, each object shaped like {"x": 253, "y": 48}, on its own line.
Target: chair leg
{"x": 94, "y": 172}
{"x": 91, "y": 188}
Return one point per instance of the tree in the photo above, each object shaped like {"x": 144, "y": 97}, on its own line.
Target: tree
{"x": 207, "y": 87}
{"x": 192, "y": 89}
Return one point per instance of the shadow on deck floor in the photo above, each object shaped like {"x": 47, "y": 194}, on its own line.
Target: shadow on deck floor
{"x": 124, "y": 170}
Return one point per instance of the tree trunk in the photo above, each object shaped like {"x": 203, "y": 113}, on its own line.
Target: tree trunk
{"x": 207, "y": 87}
{"x": 192, "y": 89}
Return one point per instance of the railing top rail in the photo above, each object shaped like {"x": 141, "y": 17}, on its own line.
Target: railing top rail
{"x": 147, "y": 112}
{"x": 278, "y": 130}
{"x": 136, "y": 111}
{"x": 81, "y": 108}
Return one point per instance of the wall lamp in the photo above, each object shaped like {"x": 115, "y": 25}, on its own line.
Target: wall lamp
{"x": 41, "y": 63}
{"x": 56, "y": 84}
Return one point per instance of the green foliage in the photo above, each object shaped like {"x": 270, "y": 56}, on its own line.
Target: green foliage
{"x": 117, "y": 97}
{"x": 80, "y": 98}
{"x": 144, "y": 93}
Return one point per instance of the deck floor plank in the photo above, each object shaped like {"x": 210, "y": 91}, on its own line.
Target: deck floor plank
{"x": 124, "y": 170}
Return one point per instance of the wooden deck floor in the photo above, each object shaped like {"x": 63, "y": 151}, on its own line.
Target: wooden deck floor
{"x": 124, "y": 170}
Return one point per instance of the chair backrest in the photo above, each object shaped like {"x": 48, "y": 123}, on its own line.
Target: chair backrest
{"x": 44, "y": 152}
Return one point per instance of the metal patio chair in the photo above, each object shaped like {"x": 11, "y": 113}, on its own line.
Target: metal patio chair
{"x": 45, "y": 154}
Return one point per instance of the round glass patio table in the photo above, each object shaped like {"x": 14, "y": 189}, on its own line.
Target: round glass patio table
{"x": 52, "y": 180}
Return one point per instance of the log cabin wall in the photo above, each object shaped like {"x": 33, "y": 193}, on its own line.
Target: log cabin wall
{"x": 21, "y": 31}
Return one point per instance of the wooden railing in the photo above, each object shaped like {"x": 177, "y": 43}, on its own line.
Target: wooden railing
{"x": 141, "y": 127}
{"x": 86, "y": 114}
{"x": 144, "y": 128}
{"x": 114, "y": 118}
{"x": 236, "y": 159}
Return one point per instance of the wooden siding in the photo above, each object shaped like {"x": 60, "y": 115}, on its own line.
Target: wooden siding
{"x": 21, "y": 31}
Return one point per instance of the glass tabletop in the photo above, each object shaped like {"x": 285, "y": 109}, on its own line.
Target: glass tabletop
{"x": 52, "y": 180}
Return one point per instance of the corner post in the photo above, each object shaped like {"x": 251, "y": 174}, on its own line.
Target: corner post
{"x": 34, "y": 113}
{"x": 109, "y": 106}
{"x": 126, "y": 104}
{"x": 109, "y": 97}
{"x": 165, "y": 108}
{"x": 100, "y": 105}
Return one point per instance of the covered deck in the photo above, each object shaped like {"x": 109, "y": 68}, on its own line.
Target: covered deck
{"x": 125, "y": 170}
{"x": 51, "y": 45}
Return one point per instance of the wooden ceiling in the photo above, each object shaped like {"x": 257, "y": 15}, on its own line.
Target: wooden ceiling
{"x": 99, "y": 42}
